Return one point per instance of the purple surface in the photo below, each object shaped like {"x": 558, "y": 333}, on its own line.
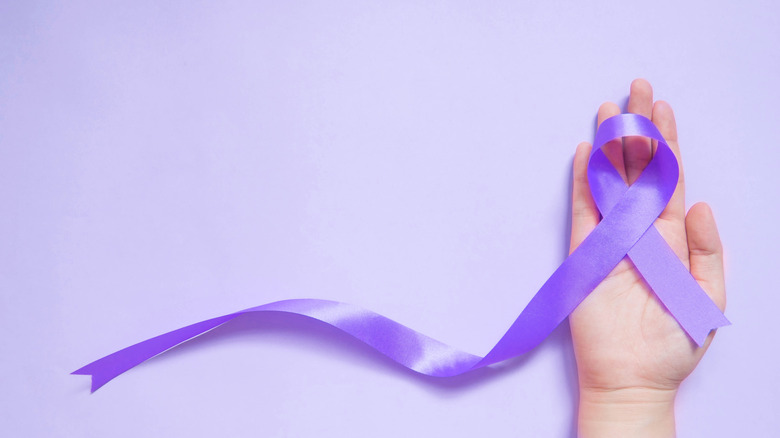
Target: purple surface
{"x": 190, "y": 160}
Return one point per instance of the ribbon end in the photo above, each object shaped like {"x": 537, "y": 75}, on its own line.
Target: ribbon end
{"x": 699, "y": 335}
{"x": 97, "y": 379}
{"x": 701, "y": 338}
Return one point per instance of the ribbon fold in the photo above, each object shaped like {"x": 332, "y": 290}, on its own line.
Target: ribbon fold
{"x": 626, "y": 229}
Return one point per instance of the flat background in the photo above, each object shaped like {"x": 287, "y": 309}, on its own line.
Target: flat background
{"x": 165, "y": 162}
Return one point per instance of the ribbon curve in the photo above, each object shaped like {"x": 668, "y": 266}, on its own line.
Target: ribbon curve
{"x": 626, "y": 229}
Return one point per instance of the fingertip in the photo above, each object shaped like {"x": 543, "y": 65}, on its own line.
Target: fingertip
{"x": 609, "y": 107}
{"x": 641, "y": 85}
{"x": 580, "y": 164}
{"x": 702, "y": 231}
{"x": 664, "y": 107}
{"x": 702, "y": 208}
{"x": 583, "y": 148}
{"x": 663, "y": 116}
{"x": 640, "y": 98}
{"x": 700, "y": 211}
{"x": 607, "y": 110}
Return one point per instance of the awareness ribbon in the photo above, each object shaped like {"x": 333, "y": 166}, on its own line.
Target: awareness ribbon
{"x": 626, "y": 229}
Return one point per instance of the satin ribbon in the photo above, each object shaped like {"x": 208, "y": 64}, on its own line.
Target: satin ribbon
{"x": 626, "y": 229}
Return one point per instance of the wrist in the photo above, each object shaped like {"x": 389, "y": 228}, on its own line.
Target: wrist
{"x": 634, "y": 412}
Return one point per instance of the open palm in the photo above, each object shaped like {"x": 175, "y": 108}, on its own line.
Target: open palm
{"x": 624, "y": 339}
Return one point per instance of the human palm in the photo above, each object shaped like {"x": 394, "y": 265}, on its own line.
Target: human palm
{"x": 624, "y": 339}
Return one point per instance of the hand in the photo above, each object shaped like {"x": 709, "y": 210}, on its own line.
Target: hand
{"x": 631, "y": 353}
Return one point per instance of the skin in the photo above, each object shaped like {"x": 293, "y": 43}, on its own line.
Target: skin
{"x": 631, "y": 354}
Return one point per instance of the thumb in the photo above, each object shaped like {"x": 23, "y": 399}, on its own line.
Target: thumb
{"x": 706, "y": 252}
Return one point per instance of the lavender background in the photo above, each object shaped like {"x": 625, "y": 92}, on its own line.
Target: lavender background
{"x": 165, "y": 162}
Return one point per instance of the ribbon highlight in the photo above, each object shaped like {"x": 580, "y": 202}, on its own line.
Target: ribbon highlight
{"x": 626, "y": 230}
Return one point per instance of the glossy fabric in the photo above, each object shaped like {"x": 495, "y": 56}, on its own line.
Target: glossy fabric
{"x": 625, "y": 230}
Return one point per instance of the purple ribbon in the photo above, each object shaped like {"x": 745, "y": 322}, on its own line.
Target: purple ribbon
{"x": 626, "y": 230}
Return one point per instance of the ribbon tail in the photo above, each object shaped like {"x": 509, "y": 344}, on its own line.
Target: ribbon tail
{"x": 403, "y": 345}
{"x": 675, "y": 287}
{"x": 107, "y": 368}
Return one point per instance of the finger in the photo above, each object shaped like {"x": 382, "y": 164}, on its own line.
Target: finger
{"x": 584, "y": 214}
{"x": 706, "y": 252}
{"x": 637, "y": 151}
{"x": 613, "y": 149}
{"x": 663, "y": 117}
